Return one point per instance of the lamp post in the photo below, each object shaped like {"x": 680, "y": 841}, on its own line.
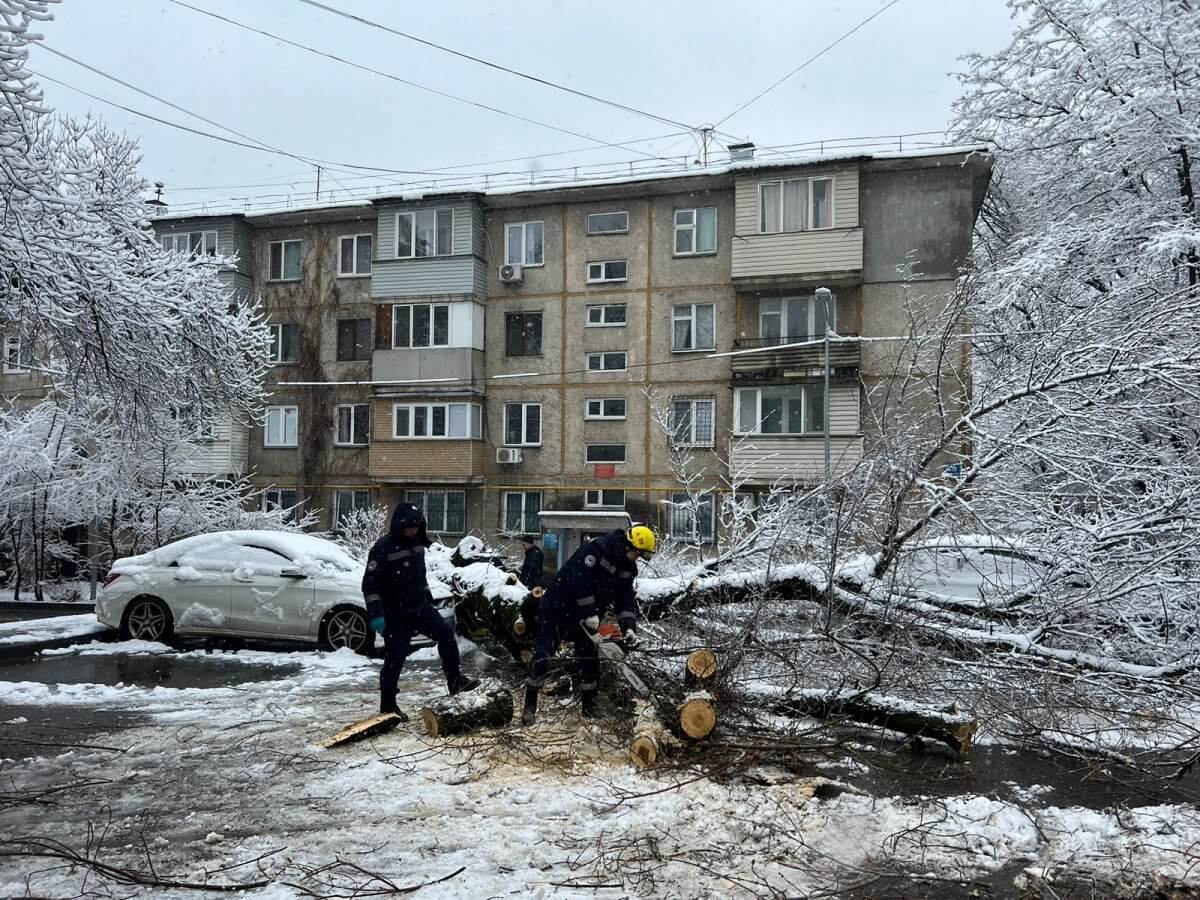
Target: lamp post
{"x": 825, "y": 297}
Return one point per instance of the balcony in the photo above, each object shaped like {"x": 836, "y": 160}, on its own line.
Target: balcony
{"x": 768, "y": 459}
{"x": 766, "y": 355}
{"x": 427, "y": 462}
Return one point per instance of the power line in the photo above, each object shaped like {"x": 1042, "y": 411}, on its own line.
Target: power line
{"x": 399, "y": 80}
{"x": 811, "y": 59}
{"x": 497, "y": 66}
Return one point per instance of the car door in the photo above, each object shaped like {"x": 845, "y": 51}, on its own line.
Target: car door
{"x": 270, "y": 595}
{"x": 196, "y": 588}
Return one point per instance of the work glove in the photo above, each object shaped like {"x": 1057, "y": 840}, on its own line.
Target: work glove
{"x": 377, "y": 624}
{"x": 630, "y": 639}
{"x": 591, "y": 627}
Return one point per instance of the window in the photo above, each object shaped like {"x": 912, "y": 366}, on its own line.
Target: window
{"x": 354, "y": 256}
{"x": 421, "y": 325}
{"x": 191, "y": 426}
{"x": 692, "y": 421}
{"x": 693, "y": 327}
{"x": 281, "y": 498}
{"x": 345, "y": 502}
{"x": 353, "y": 339}
{"x": 425, "y": 232}
{"x": 523, "y": 424}
{"x": 523, "y": 244}
{"x": 608, "y": 223}
{"x": 17, "y": 356}
{"x": 693, "y": 518}
{"x": 353, "y": 424}
{"x": 280, "y": 429}
{"x": 788, "y": 409}
{"x": 285, "y": 261}
{"x": 695, "y": 231}
{"x": 436, "y": 420}
{"x": 790, "y": 319}
{"x": 605, "y": 498}
{"x": 797, "y": 204}
{"x": 604, "y": 453}
{"x": 606, "y": 362}
{"x": 605, "y": 408}
{"x": 521, "y": 510}
{"x": 197, "y": 243}
{"x": 285, "y": 343}
{"x": 445, "y": 511}
{"x": 523, "y": 334}
{"x": 606, "y": 270}
{"x": 606, "y": 314}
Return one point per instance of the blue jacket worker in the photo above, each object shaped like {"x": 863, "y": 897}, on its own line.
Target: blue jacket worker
{"x": 599, "y": 576}
{"x": 531, "y": 568}
{"x": 399, "y": 605}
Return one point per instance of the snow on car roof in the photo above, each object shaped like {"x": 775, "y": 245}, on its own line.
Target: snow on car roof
{"x": 303, "y": 549}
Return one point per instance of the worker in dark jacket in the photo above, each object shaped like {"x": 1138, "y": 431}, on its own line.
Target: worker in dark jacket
{"x": 531, "y": 568}
{"x": 399, "y": 605}
{"x": 599, "y": 576}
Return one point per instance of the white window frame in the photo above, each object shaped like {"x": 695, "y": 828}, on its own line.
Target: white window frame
{"x": 587, "y": 360}
{"x": 337, "y": 504}
{"x": 526, "y": 518}
{"x": 786, "y": 333}
{"x": 603, "y": 277}
{"x": 806, "y": 221}
{"x": 616, "y": 212}
{"x": 432, "y": 307}
{"x": 284, "y": 413}
{"x": 690, "y": 316}
{"x": 598, "y": 501}
{"x": 354, "y": 239}
{"x": 283, "y": 245}
{"x": 693, "y": 439}
{"x": 602, "y": 416}
{"x": 208, "y": 242}
{"x": 272, "y": 498}
{"x": 412, "y": 214}
{"x": 354, "y": 414}
{"x": 524, "y": 442}
{"x": 587, "y": 449}
{"x": 603, "y": 309}
{"x": 681, "y": 504}
{"x": 275, "y": 354}
{"x": 18, "y": 360}
{"x": 473, "y": 422}
{"x": 523, "y": 228}
{"x": 694, "y": 229}
{"x": 805, "y": 391}
{"x": 423, "y": 505}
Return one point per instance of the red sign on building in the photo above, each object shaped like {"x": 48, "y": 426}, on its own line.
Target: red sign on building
{"x": 606, "y": 470}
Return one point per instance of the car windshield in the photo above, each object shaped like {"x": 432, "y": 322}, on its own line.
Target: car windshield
{"x": 979, "y": 574}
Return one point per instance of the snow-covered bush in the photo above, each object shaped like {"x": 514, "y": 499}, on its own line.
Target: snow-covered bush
{"x": 359, "y": 529}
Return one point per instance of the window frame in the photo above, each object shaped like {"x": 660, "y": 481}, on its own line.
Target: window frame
{"x": 604, "y": 277}
{"x": 432, "y": 307}
{"x": 525, "y": 407}
{"x": 283, "y": 245}
{"x": 693, "y": 439}
{"x": 587, "y": 357}
{"x": 275, "y": 353}
{"x": 694, "y": 229}
{"x": 692, "y": 317}
{"x": 602, "y": 416}
{"x": 474, "y": 414}
{"x": 604, "y": 307}
{"x": 412, "y": 232}
{"x": 805, "y": 389}
{"x": 174, "y": 238}
{"x": 367, "y": 345}
{"x": 283, "y": 409}
{"x": 600, "y": 504}
{"x": 785, "y": 330}
{"x": 806, "y": 222}
{"x": 337, "y": 506}
{"x": 419, "y": 498}
{"x": 267, "y": 503}
{"x": 524, "y": 226}
{"x": 616, "y": 212}
{"x": 681, "y": 503}
{"x": 525, "y": 526}
{"x": 587, "y": 449}
{"x": 18, "y": 357}
{"x": 355, "y": 238}
{"x": 522, "y": 313}
{"x": 354, "y": 415}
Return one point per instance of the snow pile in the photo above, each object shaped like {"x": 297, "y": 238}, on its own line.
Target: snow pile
{"x": 663, "y": 588}
{"x": 485, "y": 578}
{"x": 57, "y": 628}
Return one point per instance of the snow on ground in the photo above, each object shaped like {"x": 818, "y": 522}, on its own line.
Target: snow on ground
{"x": 52, "y": 629}
{"x": 207, "y": 779}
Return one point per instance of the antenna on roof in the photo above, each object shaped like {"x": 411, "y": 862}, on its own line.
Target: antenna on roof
{"x": 158, "y": 206}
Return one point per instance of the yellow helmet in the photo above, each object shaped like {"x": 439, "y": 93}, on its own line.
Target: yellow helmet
{"x": 642, "y": 539}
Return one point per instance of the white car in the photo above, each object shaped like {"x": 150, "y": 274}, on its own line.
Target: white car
{"x": 269, "y": 585}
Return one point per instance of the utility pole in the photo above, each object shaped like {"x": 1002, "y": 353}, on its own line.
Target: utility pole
{"x": 825, "y": 296}
{"x": 318, "y": 182}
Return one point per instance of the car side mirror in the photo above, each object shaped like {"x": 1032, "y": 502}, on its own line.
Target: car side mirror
{"x": 292, "y": 573}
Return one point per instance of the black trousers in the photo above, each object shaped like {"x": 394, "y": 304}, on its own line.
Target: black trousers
{"x": 559, "y": 623}
{"x": 400, "y": 624}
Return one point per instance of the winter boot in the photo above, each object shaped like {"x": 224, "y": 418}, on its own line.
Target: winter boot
{"x": 589, "y": 704}
{"x": 461, "y": 683}
{"x": 387, "y": 704}
{"x": 529, "y": 716}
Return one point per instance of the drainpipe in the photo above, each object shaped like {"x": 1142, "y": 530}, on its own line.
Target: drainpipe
{"x": 825, "y": 296}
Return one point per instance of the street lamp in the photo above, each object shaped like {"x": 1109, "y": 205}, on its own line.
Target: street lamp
{"x": 824, "y": 296}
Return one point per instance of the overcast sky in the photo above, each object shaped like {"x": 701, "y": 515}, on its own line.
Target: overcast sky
{"x": 689, "y": 62}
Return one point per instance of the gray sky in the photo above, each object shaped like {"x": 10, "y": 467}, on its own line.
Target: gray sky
{"x": 691, "y": 62}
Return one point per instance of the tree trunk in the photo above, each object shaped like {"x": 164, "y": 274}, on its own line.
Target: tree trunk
{"x": 701, "y": 666}
{"x": 651, "y": 740}
{"x": 697, "y": 716}
{"x": 468, "y": 712}
{"x": 951, "y": 728}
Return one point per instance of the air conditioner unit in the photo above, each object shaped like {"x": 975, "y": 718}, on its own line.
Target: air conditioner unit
{"x": 508, "y": 454}
{"x": 510, "y": 274}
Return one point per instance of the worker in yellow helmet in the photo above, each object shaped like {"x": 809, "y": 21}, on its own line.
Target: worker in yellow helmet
{"x": 599, "y": 576}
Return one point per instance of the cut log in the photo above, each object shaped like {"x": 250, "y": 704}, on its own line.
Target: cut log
{"x": 701, "y": 665}
{"x": 468, "y": 712}
{"x": 644, "y": 750}
{"x": 651, "y": 740}
{"x": 953, "y": 729}
{"x": 697, "y": 716}
{"x": 365, "y": 728}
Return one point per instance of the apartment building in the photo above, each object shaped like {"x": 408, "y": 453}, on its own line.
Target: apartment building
{"x": 494, "y": 357}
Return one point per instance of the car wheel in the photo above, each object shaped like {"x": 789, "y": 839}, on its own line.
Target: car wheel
{"x": 147, "y": 619}
{"x": 346, "y": 627}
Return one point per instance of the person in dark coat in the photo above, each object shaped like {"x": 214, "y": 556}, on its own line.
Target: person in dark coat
{"x": 531, "y": 568}
{"x": 598, "y": 577}
{"x": 400, "y": 605}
